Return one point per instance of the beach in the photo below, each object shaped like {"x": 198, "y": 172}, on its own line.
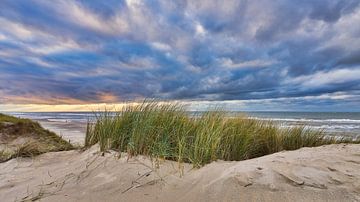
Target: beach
{"x": 73, "y": 132}
{"x": 202, "y": 165}
{"x": 326, "y": 173}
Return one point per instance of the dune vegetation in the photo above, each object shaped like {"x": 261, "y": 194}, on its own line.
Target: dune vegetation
{"x": 26, "y": 138}
{"x": 166, "y": 131}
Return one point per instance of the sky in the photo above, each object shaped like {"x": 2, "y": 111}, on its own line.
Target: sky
{"x": 288, "y": 55}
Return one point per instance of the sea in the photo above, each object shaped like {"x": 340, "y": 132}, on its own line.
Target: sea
{"x": 345, "y": 124}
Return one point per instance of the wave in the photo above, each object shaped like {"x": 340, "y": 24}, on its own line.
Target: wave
{"x": 59, "y": 120}
{"x": 309, "y": 120}
{"x": 346, "y": 127}
{"x": 76, "y": 114}
{"x": 67, "y": 120}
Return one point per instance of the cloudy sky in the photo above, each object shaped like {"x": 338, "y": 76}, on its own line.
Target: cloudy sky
{"x": 246, "y": 54}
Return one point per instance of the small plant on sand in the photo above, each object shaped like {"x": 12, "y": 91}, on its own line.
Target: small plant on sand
{"x": 166, "y": 131}
{"x": 29, "y": 149}
{"x": 4, "y": 156}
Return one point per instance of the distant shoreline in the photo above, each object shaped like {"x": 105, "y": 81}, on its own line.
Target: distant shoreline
{"x": 72, "y": 124}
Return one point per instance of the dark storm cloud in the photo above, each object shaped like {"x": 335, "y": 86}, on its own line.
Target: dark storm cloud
{"x": 106, "y": 51}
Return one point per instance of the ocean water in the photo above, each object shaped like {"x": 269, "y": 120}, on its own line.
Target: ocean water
{"x": 333, "y": 123}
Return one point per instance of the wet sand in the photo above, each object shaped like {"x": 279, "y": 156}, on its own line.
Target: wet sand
{"x": 74, "y": 132}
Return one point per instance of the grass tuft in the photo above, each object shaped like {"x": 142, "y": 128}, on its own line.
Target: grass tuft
{"x": 166, "y": 131}
{"x": 30, "y": 149}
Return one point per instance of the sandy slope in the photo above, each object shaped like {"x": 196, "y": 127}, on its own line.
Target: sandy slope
{"x": 327, "y": 173}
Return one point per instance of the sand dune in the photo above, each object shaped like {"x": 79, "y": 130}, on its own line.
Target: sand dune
{"x": 326, "y": 173}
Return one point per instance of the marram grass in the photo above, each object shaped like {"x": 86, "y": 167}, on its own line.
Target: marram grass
{"x": 166, "y": 131}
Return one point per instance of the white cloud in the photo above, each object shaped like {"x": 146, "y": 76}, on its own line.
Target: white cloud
{"x": 161, "y": 46}
{"x": 2, "y": 37}
{"x": 24, "y": 37}
{"x": 55, "y": 47}
{"x": 15, "y": 29}
{"x": 345, "y": 33}
{"x": 83, "y": 17}
{"x": 228, "y": 63}
{"x": 132, "y": 3}
{"x": 323, "y": 78}
{"x": 39, "y": 61}
{"x": 199, "y": 30}
{"x": 133, "y": 63}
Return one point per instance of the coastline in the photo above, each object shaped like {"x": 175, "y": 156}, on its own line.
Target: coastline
{"x": 74, "y": 131}
{"x": 335, "y": 124}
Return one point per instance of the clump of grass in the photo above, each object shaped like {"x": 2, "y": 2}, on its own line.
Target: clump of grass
{"x": 166, "y": 131}
{"x": 11, "y": 119}
{"x": 30, "y": 149}
{"x": 5, "y": 155}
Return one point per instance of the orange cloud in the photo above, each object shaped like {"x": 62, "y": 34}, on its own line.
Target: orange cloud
{"x": 107, "y": 97}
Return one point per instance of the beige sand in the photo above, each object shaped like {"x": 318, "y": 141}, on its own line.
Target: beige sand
{"x": 74, "y": 132}
{"x": 327, "y": 173}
